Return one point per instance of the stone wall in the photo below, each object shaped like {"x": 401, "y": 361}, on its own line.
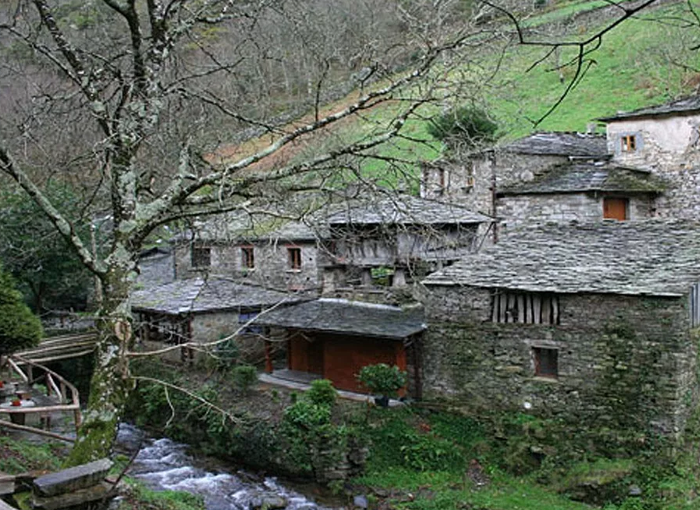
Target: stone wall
{"x": 625, "y": 363}
{"x": 272, "y": 267}
{"x": 563, "y": 207}
{"x": 670, "y": 148}
{"x": 469, "y": 182}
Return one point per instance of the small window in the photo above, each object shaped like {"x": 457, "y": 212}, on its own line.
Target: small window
{"x": 546, "y": 362}
{"x": 628, "y": 143}
{"x": 294, "y": 258}
{"x": 252, "y": 329}
{"x": 200, "y": 256}
{"x": 525, "y": 308}
{"x": 248, "y": 257}
{"x": 441, "y": 177}
{"x": 615, "y": 208}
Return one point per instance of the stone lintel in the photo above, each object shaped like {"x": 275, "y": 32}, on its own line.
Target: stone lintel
{"x": 72, "y": 479}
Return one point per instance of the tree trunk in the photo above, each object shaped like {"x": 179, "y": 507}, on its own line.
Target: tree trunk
{"x": 111, "y": 380}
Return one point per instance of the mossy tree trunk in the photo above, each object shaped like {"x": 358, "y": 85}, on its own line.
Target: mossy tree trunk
{"x": 111, "y": 381}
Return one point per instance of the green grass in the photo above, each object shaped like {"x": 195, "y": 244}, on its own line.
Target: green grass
{"x": 19, "y": 456}
{"x": 631, "y": 69}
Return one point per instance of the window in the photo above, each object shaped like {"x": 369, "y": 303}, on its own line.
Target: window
{"x": 546, "y": 362}
{"x": 441, "y": 177}
{"x": 251, "y": 329}
{"x": 200, "y": 256}
{"x": 525, "y": 308}
{"x": 294, "y": 258}
{"x": 628, "y": 143}
{"x": 248, "y": 257}
{"x": 615, "y": 208}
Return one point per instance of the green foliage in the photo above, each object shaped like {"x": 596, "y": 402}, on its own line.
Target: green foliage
{"x": 47, "y": 269}
{"x": 227, "y": 354}
{"x": 322, "y": 393}
{"x": 18, "y": 456}
{"x": 244, "y": 377}
{"x": 382, "y": 379}
{"x": 19, "y": 327}
{"x": 468, "y": 124}
{"x": 139, "y": 497}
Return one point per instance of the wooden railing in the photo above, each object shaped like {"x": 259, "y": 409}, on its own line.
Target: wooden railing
{"x": 61, "y": 395}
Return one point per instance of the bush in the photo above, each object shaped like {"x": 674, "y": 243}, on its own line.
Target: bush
{"x": 322, "y": 393}
{"x": 468, "y": 124}
{"x": 244, "y": 377}
{"x": 382, "y": 379}
{"x": 19, "y": 327}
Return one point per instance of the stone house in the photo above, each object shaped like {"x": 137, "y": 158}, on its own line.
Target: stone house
{"x": 593, "y": 323}
{"x": 473, "y": 181}
{"x": 395, "y": 239}
{"x": 582, "y": 191}
{"x": 261, "y": 249}
{"x": 665, "y": 140}
{"x": 203, "y": 310}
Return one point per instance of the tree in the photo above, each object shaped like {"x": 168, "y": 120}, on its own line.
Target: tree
{"x": 19, "y": 327}
{"x": 127, "y": 101}
{"x": 45, "y": 268}
{"x": 136, "y": 103}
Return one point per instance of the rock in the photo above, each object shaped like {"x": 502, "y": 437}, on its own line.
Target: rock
{"x": 635, "y": 490}
{"x": 360, "y": 501}
{"x": 269, "y": 501}
{"x": 72, "y": 479}
{"x": 7, "y": 484}
{"x": 72, "y": 499}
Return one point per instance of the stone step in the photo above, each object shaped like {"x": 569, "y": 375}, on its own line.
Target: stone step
{"x": 72, "y": 479}
{"x": 7, "y": 484}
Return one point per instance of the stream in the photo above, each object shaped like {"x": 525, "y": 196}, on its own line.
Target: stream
{"x": 163, "y": 464}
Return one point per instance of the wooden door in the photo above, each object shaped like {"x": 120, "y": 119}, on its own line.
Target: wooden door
{"x": 615, "y": 208}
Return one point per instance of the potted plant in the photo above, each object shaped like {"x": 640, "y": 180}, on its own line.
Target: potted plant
{"x": 383, "y": 380}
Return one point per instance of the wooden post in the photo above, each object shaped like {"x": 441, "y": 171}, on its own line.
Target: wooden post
{"x": 268, "y": 357}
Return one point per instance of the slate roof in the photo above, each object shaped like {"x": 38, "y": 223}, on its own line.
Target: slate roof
{"x": 652, "y": 257}
{"x": 199, "y": 295}
{"x": 560, "y": 144}
{"x": 575, "y": 177}
{"x": 350, "y": 317}
{"x": 684, "y": 105}
{"x": 405, "y": 210}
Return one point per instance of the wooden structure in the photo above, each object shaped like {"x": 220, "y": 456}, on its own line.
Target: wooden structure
{"x": 335, "y": 338}
{"x": 59, "y": 348}
{"x": 61, "y": 396}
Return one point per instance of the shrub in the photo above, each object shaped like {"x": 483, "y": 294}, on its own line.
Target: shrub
{"x": 468, "y": 124}
{"x": 322, "y": 393}
{"x": 244, "y": 377}
{"x": 382, "y": 379}
{"x": 19, "y": 327}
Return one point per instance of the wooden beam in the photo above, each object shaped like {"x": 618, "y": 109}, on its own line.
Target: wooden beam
{"x": 34, "y": 430}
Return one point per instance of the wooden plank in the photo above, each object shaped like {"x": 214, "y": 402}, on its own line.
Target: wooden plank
{"x": 502, "y": 305}
{"x": 521, "y": 308}
{"x": 528, "y": 309}
{"x": 555, "y": 310}
{"x": 511, "y": 305}
{"x": 537, "y": 308}
{"x": 494, "y": 307}
{"x": 19, "y": 371}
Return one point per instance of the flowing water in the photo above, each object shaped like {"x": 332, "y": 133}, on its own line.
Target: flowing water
{"x": 164, "y": 464}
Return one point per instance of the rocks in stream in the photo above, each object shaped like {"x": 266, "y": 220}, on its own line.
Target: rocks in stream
{"x": 268, "y": 501}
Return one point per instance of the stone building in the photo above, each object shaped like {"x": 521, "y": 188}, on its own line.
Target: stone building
{"x": 261, "y": 249}
{"x": 581, "y": 191}
{"x": 203, "y": 310}
{"x": 473, "y": 181}
{"x": 663, "y": 139}
{"x": 594, "y": 323}
{"x": 395, "y": 239}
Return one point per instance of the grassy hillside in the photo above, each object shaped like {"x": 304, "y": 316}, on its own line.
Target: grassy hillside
{"x": 644, "y": 61}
